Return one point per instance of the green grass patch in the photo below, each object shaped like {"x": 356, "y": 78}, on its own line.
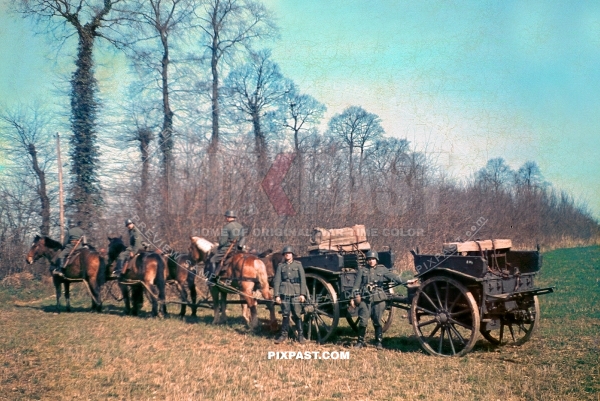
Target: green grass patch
{"x": 82, "y": 355}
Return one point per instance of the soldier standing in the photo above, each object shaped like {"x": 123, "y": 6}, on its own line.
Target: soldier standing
{"x": 135, "y": 244}
{"x": 232, "y": 231}
{"x": 370, "y": 297}
{"x": 290, "y": 290}
{"x": 74, "y": 239}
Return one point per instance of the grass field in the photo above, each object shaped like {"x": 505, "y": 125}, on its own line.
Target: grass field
{"x": 81, "y": 355}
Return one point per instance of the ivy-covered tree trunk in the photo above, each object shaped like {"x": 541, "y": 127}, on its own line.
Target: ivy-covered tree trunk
{"x": 86, "y": 197}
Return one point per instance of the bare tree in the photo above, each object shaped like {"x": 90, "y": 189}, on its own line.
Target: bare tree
{"x": 529, "y": 176}
{"x": 302, "y": 112}
{"x": 229, "y": 25}
{"x": 255, "y": 91}
{"x": 151, "y": 26}
{"x": 87, "y": 18}
{"x": 356, "y": 129}
{"x": 29, "y": 147}
{"x": 496, "y": 175}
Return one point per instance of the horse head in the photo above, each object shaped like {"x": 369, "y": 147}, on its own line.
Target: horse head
{"x": 42, "y": 246}
{"x": 115, "y": 247}
{"x": 200, "y": 248}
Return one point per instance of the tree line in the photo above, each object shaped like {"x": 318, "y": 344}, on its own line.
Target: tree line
{"x": 207, "y": 111}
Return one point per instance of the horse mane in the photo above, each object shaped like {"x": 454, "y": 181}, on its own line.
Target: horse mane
{"x": 52, "y": 244}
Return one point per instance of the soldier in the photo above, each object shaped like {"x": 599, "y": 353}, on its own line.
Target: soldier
{"x": 290, "y": 284}
{"x": 135, "y": 244}
{"x": 370, "y": 297}
{"x": 232, "y": 231}
{"x": 74, "y": 239}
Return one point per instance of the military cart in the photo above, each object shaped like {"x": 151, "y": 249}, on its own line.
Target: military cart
{"x": 330, "y": 276}
{"x": 471, "y": 288}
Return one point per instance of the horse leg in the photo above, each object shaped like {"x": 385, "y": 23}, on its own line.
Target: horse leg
{"x": 152, "y": 296}
{"x": 98, "y": 294}
{"x": 251, "y": 303}
{"x": 125, "y": 292}
{"x": 57, "y": 284}
{"x": 194, "y": 296}
{"x": 154, "y": 303}
{"x": 245, "y": 311}
{"x": 184, "y": 298}
{"x": 272, "y": 317}
{"x": 68, "y": 295}
{"x": 215, "y": 293}
{"x": 137, "y": 292}
{"x": 95, "y": 290}
{"x": 162, "y": 297}
{"x": 223, "y": 319}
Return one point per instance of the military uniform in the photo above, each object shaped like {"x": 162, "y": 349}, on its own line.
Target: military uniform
{"x": 72, "y": 241}
{"x": 232, "y": 231}
{"x": 288, "y": 284}
{"x": 135, "y": 244}
{"x": 369, "y": 285}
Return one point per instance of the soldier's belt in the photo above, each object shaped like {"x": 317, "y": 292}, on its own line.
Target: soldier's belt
{"x": 292, "y": 281}
{"x": 372, "y": 287}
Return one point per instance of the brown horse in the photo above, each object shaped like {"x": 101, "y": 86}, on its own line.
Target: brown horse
{"x": 271, "y": 260}
{"x": 143, "y": 272}
{"x": 83, "y": 265}
{"x": 246, "y": 271}
{"x": 180, "y": 270}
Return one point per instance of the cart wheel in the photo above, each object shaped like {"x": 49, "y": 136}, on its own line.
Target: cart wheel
{"x": 320, "y": 324}
{"x": 445, "y": 317}
{"x": 388, "y": 317}
{"x": 516, "y": 327}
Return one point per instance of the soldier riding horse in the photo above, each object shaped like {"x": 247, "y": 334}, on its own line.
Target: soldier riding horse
{"x": 143, "y": 271}
{"x": 240, "y": 273}
{"x": 80, "y": 265}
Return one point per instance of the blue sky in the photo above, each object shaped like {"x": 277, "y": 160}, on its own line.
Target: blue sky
{"x": 465, "y": 81}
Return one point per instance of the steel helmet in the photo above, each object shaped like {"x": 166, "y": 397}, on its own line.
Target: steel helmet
{"x": 287, "y": 249}
{"x": 128, "y": 222}
{"x": 372, "y": 255}
{"x": 230, "y": 213}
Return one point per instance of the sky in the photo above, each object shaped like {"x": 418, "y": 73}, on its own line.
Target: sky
{"x": 464, "y": 81}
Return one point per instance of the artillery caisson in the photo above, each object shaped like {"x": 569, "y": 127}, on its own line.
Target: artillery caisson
{"x": 471, "y": 288}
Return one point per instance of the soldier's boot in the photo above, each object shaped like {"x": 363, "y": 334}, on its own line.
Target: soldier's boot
{"x": 118, "y": 269}
{"x": 285, "y": 327}
{"x": 210, "y": 273}
{"x": 379, "y": 337}
{"x": 360, "y": 343}
{"x": 58, "y": 268}
{"x": 301, "y": 339}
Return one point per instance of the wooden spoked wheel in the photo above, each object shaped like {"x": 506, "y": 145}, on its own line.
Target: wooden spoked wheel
{"x": 517, "y": 326}
{"x": 445, "y": 317}
{"x": 322, "y": 322}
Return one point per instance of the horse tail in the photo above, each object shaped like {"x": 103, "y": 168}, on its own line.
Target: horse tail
{"x": 263, "y": 279}
{"x": 102, "y": 273}
{"x": 161, "y": 272}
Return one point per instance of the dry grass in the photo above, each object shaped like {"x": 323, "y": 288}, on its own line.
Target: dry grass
{"x": 108, "y": 356}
